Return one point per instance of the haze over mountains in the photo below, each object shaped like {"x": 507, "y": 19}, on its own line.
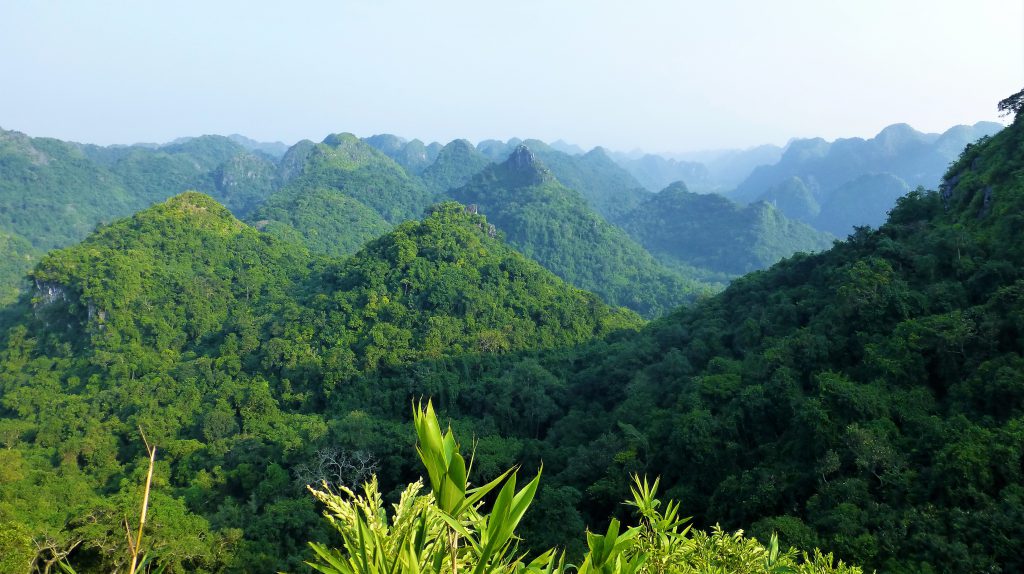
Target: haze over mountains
{"x": 338, "y": 194}
{"x": 865, "y": 398}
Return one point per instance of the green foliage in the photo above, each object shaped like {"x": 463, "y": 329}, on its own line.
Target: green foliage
{"x": 712, "y": 232}
{"x": 338, "y": 195}
{"x": 553, "y": 225}
{"x": 866, "y": 399}
{"x": 794, "y": 198}
{"x": 456, "y": 163}
{"x": 234, "y": 350}
{"x": 16, "y": 257}
{"x": 413, "y": 156}
{"x": 447, "y": 531}
{"x": 1012, "y": 105}
{"x": 344, "y": 163}
{"x": 323, "y": 219}
{"x": 607, "y": 188}
{"x": 441, "y": 532}
{"x": 53, "y": 193}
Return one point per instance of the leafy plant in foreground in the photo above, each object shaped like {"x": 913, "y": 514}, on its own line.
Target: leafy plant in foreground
{"x": 445, "y": 530}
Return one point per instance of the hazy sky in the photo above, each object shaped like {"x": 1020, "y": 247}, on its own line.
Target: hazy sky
{"x": 662, "y": 76}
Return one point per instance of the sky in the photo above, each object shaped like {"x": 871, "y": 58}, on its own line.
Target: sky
{"x": 663, "y": 76}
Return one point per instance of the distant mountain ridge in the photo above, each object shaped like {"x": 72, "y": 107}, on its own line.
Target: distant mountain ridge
{"x": 344, "y": 191}
{"x": 832, "y": 171}
{"x": 556, "y": 226}
{"x": 679, "y": 226}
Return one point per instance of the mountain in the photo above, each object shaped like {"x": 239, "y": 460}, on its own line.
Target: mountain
{"x": 497, "y": 150}
{"x": 216, "y": 165}
{"x": 245, "y": 360}
{"x": 52, "y": 194}
{"x": 553, "y": 224}
{"x": 730, "y": 167}
{"x": 413, "y": 155}
{"x": 324, "y": 219}
{"x": 794, "y": 198}
{"x": 711, "y": 232}
{"x": 455, "y": 164}
{"x": 865, "y": 200}
{"x": 566, "y": 147}
{"x": 293, "y": 162}
{"x": 16, "y": 257}
{"x": 898, "y": 151}
{"x": 345, "y": 163}
{"x": 609, "y": 189}
{"x": 275, "y": 150}
{"x": 339, "y": 194}
{"x": 705, "y": 171}
{"x": 656, "y": 172}
{"x": 866, "y": 399}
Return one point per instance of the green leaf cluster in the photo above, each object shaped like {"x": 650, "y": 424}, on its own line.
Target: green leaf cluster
{"x": 448, "y": 530}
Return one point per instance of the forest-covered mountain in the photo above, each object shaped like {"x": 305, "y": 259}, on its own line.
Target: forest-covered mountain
{"x": 555, "y": 225}
{"x": 855, "y": 181}
{"x": 708, "y": 231}
{"x": 53, "y": 193}
{"x": 456, "y": 163}
{"x": 333, "y": 196}
{"x": 231, "y": 349}
{"x": 710, "y": 171}
{"x": 607, "y": 188}
{"x": 865, "y": 399}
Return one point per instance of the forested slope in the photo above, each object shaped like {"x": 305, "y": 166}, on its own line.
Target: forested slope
{"x": 867, "y": 399}
{"x": 247, "y": 361}
{"x": 553, "y": 224}
{"x": 711, "y": 232}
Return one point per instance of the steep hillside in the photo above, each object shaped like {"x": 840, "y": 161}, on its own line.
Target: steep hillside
{"x": 323, "y": 218}
{"x": 609, "y": 189}
{"x": 355, "y": 169}
{"x": 794, "y": 198}
{"x": 52, "y": 194}
{"x": 456, "y": 163}
{"x": 216, "y": 165}
{"x": 709, "y": 231}
{"x": 339, "y": 194}
{"x": 554, "y": 225}
{"x": 16, "y": 257}
{"x": 414, "y": 156}
{"x": 867, "y": 399}
{"x": 275, "y": 150}
{"x": 251, "y": 366}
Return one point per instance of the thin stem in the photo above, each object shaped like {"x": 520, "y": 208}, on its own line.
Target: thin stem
{"x": 145, "y": 504}
{"x": 453, "y": 543}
